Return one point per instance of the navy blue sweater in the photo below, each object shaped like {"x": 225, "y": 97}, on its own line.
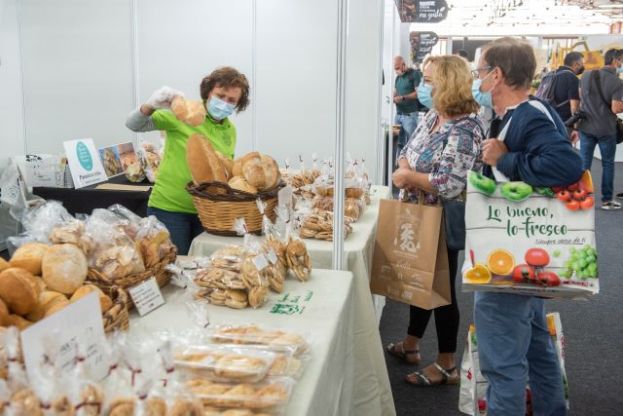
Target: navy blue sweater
{"x": 539, "y": 153}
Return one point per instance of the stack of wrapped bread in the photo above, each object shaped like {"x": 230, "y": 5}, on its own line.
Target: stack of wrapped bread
{"x": 252, "y": 173}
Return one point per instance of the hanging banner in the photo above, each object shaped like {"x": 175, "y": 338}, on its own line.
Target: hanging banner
{"x": 422, "y": 11}
{"x": 422, "y": 44}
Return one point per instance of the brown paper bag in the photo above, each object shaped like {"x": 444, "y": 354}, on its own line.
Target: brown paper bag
{"x": 410, "y": 263}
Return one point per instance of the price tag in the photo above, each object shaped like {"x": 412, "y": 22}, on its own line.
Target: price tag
{"x": 146, "y": 296}
{"x": 58, "y": 336}
{"x": 272, "y": 257}
{"x": 260, "y": 262}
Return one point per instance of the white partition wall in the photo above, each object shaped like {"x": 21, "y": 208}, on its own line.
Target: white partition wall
{"x": 77, "y": 74}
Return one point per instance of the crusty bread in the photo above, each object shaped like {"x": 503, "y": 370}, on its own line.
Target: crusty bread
{"x": 272, "y": 176}
{"x": 241, "y": 184}
{"x": 29, "y": 257}
{"x": 259, "y": 170}
{"x": 19, "y": 322}
{"x": 17, "y": 290}
{"x": 228, "y": 164}
{"x": 187, "y": 111}
{"x": 105, "y": 301}
{"x": 4, "y": 314}
{"x": 204, "y": 164}
{"x": 64, "y": 268}
{"x": 47, "y": 300}
{"x": 4, "y": 264}
{"x": 178, "y": 108}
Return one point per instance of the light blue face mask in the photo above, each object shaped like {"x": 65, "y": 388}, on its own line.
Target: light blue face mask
{"x": 425, "y": 94}
{"x": 482, "y": 98}
{"x": 620, "y": 70}
{"x": 219, "y": 109}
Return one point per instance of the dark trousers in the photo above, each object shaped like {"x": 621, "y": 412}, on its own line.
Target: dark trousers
{"x": 182, "y": 227}
{"x": 446, "y": 317}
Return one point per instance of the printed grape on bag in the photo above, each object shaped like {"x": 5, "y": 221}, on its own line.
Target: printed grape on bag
{"x": 536, "y": 241}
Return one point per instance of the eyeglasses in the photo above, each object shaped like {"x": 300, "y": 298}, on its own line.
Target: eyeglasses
{"x": 476, "y": 72}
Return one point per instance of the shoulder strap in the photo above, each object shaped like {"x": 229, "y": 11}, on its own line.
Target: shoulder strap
{"x": 596, "y": 76}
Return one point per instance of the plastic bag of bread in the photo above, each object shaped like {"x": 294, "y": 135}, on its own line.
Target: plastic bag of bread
{"x": 269, "y": 396}
{"x": 154, "y": 240}
{"x": 259, "y": 170}
{"x": 277, "y": 340}
{"x": 223, "y": 363}
{"x": 353, "y": 207}
{"x": 115, "y": 255}
{"x": 46, "y": 386}
{"x": 151, "y": 155}
{"x": 135, "y": 171}
{"x": 84, "y": 393}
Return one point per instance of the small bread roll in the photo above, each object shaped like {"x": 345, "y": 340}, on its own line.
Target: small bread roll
{"x": 204, "y": 164}
{"x": 29, "y": 257}
{"x": 105, "y": 301}
{"x": 19, "y": 322}
{"x": 17, "y": 290}
{"x": 55, "y": 308}
{"x": 47, "y": 300}
{"x": 4, "y": 264}
{"x": 4, "y": 314}
{"x": 241, "y": 184}
{"x": 64, "y": 268}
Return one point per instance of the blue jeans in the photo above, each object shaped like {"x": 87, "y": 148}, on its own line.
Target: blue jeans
{"x": 408, "y": 123}
{"x": 514, "y": 344}
{"x": 182, "y": 227}
{"x": 607, "y": 148}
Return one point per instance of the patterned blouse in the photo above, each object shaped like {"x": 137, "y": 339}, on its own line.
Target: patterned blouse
{"x": 446, "y": 155}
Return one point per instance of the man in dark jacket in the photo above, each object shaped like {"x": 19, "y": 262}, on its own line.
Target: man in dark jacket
{"x": 532, "y": 146}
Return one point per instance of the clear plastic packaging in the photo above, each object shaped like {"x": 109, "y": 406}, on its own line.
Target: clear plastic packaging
{"x": 224, "y": 363}
{"x": 255, "y": 335}
{"x": 151, "y": 155}
{"x": 154, "y": 240}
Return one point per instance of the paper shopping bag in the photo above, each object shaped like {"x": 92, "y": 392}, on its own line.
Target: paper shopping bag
{"x": 410, "y": 262}
{"x": 533, "y": 241}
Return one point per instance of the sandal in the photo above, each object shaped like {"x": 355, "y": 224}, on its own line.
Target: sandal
{"x": 398, "y": 350}
{"x": 423, "y": 381}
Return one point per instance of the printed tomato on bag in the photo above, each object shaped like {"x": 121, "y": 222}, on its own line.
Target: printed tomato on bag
{"x": 535, "y": 241}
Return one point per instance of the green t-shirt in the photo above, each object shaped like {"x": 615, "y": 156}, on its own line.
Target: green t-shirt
{"x": 406, "y": 84}
{"x": 169, "y": 192}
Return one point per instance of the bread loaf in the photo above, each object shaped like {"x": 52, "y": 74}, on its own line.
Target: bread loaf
{"x": 4, "y": 264}
{"x": 55, "y": 308}
{"x": 19, "y": 322}
{"x": 241, "y": 184}
{"x": 105, "y": 301}
{"x": 47, "y": 301}
{"x": 4, "y": 314}
{"x": 29, "y": 257}
{"x": 228, "y": 164}
{"x": 204, "y": 164}
{"x": 189, "y": 112}
{"x": 18, "y": 291}
{"x": 260, "y": 171}
{"x": 64, "y": 268}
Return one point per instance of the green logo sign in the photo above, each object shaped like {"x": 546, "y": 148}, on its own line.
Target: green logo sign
{"x": 84, "y": 157}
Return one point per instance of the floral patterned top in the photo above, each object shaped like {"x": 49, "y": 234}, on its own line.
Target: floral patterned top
{"x": 447, "y": 155}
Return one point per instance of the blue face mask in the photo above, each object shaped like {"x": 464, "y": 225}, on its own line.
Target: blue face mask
{"x": 219, "y": 109}
{"x": 482, "y": 98}
{"x": 424, "y": 94}
{"x": 620, "y": 70}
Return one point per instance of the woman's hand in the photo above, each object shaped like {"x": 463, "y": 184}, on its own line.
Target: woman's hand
{"x": 161, "y": 98}
{"x": 492, "y": 151}
{"x": 401, "y": 178}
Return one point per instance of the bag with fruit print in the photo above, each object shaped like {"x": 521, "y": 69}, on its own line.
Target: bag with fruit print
{"x": 533, "y": 241}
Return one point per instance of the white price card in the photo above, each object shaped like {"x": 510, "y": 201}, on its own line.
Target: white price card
{"x": 84, "y": 162}
{"x": 58, "y": 336}
{"x": 146, "y": 296}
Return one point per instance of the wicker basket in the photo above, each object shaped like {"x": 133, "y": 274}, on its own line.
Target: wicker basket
{"x": 158, "y": 271}
{"x": 219, "y": 206}
{"x": 117, "y": 317}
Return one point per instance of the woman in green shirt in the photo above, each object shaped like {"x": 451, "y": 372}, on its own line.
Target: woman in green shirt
{"x": 223, "y": 91}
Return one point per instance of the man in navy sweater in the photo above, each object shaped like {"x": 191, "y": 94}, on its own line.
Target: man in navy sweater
{"x": 532, "y": 146}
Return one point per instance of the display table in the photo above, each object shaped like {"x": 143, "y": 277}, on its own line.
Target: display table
{"x": 371, "y": 373}
{"x": 85, "y": 200}
{"x": 321, "y": 309}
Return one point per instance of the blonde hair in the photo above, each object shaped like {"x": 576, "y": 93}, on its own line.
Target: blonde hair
{"x": 452, "y": 86}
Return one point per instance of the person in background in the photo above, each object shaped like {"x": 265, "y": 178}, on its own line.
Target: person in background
{"x": 567, "y": 89}
{"x": 599, "y": 127}
{"x": 444, "y": 148}
{"x": 405, "y": 98}
{"x": 514, "y": 344}
{"x": 223, "y": 92}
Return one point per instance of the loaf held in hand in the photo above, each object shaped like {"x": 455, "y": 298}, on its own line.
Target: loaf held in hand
{"x": 187, "y": 111}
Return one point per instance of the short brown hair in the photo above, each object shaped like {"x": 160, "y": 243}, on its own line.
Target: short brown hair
{"x": 452, "y": 86}
{"x": 515, "y": 58}
{"x": 227, "y": 77}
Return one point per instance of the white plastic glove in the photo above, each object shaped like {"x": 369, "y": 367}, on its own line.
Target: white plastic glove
{"x": 162, "y": 97}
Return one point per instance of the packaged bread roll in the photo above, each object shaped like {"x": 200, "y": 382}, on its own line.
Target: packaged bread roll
{"x": 64, "y": 268}
{"x": 105, "y": 301}
{"x": 204, "y": 164}
{"x": 29, "y": 257}
{"x": 18, "y": 291}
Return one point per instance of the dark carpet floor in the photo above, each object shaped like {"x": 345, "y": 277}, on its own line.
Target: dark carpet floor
{"x": 593, "y": 330}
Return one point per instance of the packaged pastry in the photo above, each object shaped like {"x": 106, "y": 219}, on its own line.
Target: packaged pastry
{"x": 224, "y": 363}
{"x": 267, "y": 396}
{"x": 254, "y": 335}
{"x": 154, "y": 240}
{"x": 135, "y": 172}
{"x": 215, "y": 277}
{"x": 299, "y": 262}
{"x": 285, "y": 364}
{"x": 151, "y": 156}
{"x": 64, "y": 268}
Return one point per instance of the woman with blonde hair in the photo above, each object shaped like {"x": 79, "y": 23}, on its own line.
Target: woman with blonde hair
{"x": 434, "y": 166}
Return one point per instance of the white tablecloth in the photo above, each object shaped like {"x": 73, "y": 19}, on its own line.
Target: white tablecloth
{"x": 372, "y": 395}
{"x": 323, "y": 313}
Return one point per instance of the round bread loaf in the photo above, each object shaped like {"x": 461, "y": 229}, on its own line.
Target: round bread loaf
{"x": 4, "y": 264}
{"x": 4, "y": 314}
{"x": 17, "y": 290}
{"x": 29, "y": 257}
{"x": 241, "y": 184}
{"x": 105, "y": 301}
{"x": 64, "y": 268}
